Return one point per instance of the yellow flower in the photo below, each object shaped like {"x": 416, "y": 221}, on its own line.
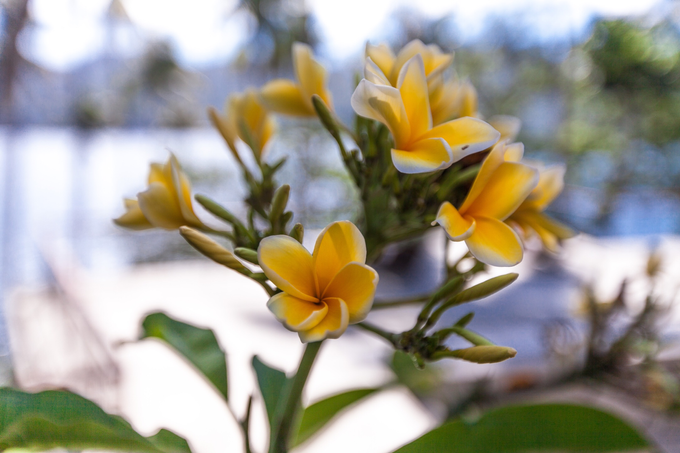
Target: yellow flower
{"x": 405, "y": 110}
{"x": 507, "y": 125}
{"x": 498, "y": 190}
{"x": 434, "y": 60}
{"x": 323, "y": 291}
{"x": 166, "y": 203}
{"x": 246, "y": 119}
{"x": 529, "y": 217}
{"x": 295, "y": 98}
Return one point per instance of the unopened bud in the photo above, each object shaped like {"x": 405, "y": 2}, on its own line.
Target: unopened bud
{"x": 247, "y": 254}
{"x": 484, "y": 289}
{"x": 465, "y": 320}
{"x": 452, "y": 286}
{"x": 279, "y": 202}
{"x": 325, "y": 115}
{"x": 297, "y": 232}
{"x": 478, "y": 354}
{"x": 212, "y": 249}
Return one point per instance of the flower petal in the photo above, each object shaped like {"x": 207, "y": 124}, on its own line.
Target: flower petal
{"x": 382, "y": 56}
{"x": 412, "y": 85}
{"x": 548, "y": 229}
{"x": 491, "y": 163}
{"x": 297, "y": 314}
{"x": 355, "y": 284}
{"x": 407, "y": 52}
{"x": 157, "y": 173}
{"x": 509, "y": 186}
{"x": 289, "y": 266}
{"x": 550, "y": 185}
{"x": 444, "y": 99}
{"x": 383, "y": 103}
{"x": 514, "y": 152}
{"x": 339, "y": 244}
{"x": 436, "y": 61}
{"x": 465, "y": 136}
{"x": 333, "y": 324}
{"x": 457, "y": 227}
{"x": 134, "y": 217}
{"x": 469, "y": 100}
{"x": 507, "y": 125}
{"x": 284, "y": 96}
{"x": 182, "y": 188}
{"x": 374, "y": 74}
{"x": 423, "y": 156}
{"x": 160, "y": 207}
{"x": 311, "y": 75}
{"x": 495, "y": 243}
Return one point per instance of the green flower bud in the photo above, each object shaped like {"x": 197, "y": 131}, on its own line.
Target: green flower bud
{"x": 478, "y": 354}
{"x": 297, "y": 232}
{"x": 212, "y": 250}
{"x": 247, "y": 254}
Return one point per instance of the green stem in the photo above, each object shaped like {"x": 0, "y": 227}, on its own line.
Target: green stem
{"x": 245, "y": 427}
{"x": 286, "y": 413}
{"x": 399, "y": 303}
{"x": 389, "y": 336}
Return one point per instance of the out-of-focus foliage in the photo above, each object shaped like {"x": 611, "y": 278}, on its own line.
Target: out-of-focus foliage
{"x": 279, "y": 25}
{"x": 539, "y": 428}
{"x": 59, "y": 419}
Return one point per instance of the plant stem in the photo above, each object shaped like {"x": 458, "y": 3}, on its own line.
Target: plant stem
{"x": 289, "y": 406}
{"x": 389, "y": 336}
{"x": 377, "y": 305}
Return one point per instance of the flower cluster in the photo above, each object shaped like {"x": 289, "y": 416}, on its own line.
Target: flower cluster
{"x": 418, "y": 127}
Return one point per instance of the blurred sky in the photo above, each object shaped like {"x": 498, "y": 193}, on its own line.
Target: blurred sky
{"x": 209, "y": 32}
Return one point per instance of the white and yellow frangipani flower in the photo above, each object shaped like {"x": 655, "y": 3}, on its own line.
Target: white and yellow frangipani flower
{"x": 323, "y": 291}
{"x": 498, "y": 190}
{"x": 529, "y": 216}
{"x": 295, "y": 97}
{"x": 434, "y": 60}
{"x": 246, "y": 119}
{"x": 405, "y": 110}
{"x": 166, "y": 203}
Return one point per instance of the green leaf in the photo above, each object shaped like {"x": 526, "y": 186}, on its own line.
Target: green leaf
{"x": 198, "y": 346}
{"x": 168, "y": 441}
{"x": 533, "y": 428}
{"x": 60, "y": 419}
{"x": 272, "y": 383}
{"x": 320, "y": 413}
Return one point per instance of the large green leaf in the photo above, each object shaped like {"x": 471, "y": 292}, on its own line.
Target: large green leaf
{"x": 272, "y": 383}
{"x": 60, "y": 419}
{"x": 198, "y": 346}
{"x": 320, "y": 413}
{"x": 533, "y": 428}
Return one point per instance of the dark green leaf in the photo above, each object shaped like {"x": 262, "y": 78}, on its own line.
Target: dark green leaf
{"x": 198, "y": 346}
{"x": 272, "y": 384}
{"x": 168, "y": 441}
{"x": 533, "y": 428}
{"x": 320, "y": 413}
{"x": 60, "y": 419}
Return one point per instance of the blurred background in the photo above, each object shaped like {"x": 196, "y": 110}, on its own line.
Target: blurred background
{"x": 91, "y": 91}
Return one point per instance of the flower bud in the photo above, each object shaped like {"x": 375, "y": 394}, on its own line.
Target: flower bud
{"x": 212, "y": 250}
{"x": 297, "y": 232}
{"x": 247, "y": 254}
{"x": 325, "y": 116}
{"x": 484, "y": 289}
{"x": 478, "y": 354}
{"x": 279, "y": 202}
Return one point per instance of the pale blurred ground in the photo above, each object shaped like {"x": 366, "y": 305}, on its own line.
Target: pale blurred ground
{"x": 84, "y": 339}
